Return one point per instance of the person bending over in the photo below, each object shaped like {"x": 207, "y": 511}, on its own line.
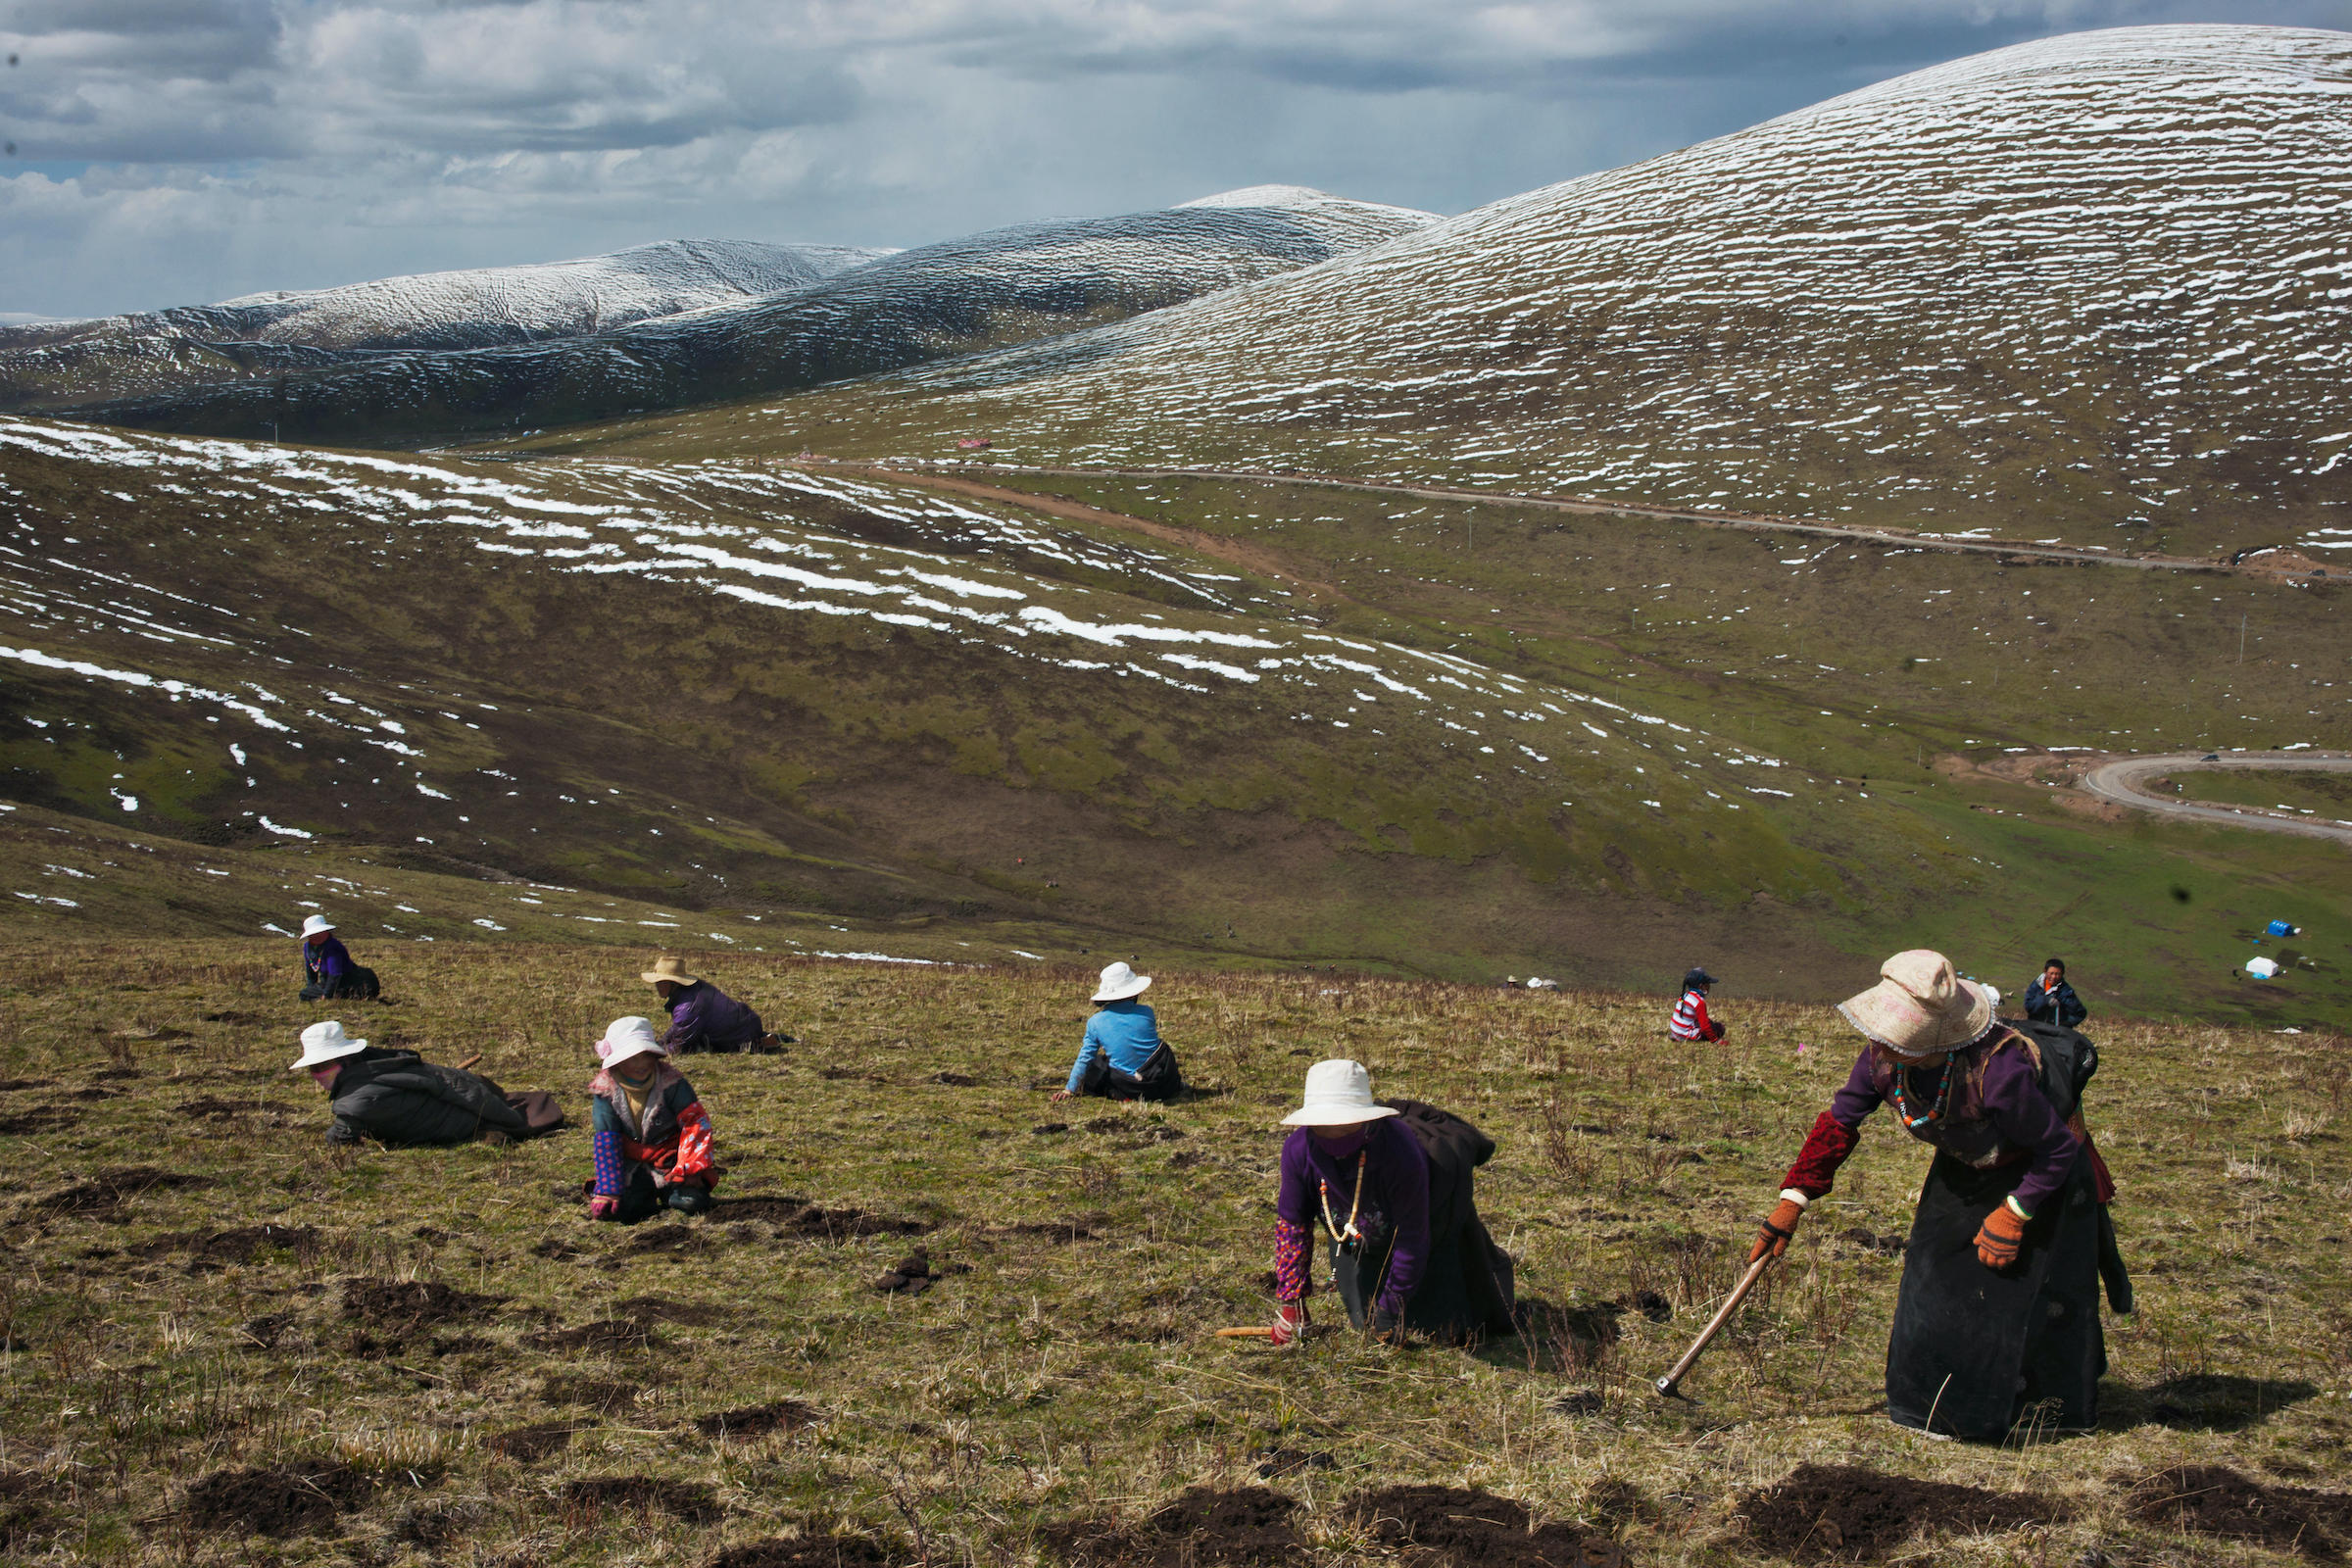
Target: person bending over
{"x": 1122, "y": 1056}
{"x": 703, "y": 1017}
{"x": 650, "y": 1136}
{"x": 327, "y": 971}
{"x": 1690, "y": 1021}
{"x": 398, "y": 1097}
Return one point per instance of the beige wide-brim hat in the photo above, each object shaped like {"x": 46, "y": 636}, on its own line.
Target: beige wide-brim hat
{"x": 322, "y": 1043}
{"x": 1339, "y": 1093}
{"x": 1120, "y": 982}
{"x": 625, "y": 1038}
{"x": 1920, "y": 1006}
{"x": 671, "y": 969}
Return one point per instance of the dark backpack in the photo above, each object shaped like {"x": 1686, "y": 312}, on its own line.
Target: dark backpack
{"x": 2069, "y": 1061}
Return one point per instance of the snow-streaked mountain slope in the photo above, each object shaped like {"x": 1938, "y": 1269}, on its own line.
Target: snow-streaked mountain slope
{"x": 2100, "y": 286}
{"x": 263, "y": 333}
{"x": 980, "y": 292}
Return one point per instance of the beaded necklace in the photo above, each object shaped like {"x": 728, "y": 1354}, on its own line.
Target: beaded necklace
{"x": 1348, "y": 1233}
{"x": 1935, "y": 1112}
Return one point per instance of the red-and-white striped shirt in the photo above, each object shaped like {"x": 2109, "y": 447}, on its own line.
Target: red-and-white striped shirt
{"x": 1691, "y": 1020}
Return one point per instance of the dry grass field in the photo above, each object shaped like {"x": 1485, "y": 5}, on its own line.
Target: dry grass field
{"x": 227, "y": 1341}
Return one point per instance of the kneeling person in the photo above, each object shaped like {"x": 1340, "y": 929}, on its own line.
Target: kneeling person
{"x": 703, "y": 1017}
{"x": 1122, "y": 1056}
{"x": 328, "y": 973}
{"x": 1391, "y": 1186}
{"x": 398, "y": 1097}
{"x": 651, "y": 1137}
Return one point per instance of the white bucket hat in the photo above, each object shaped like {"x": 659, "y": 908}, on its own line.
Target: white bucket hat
{"x": 315, "y": 924}
{"x": 1339, "y": 1093}
{"x": 1920, "y": 1006}
{"x": 1120, "y": 982}
{"x": 625, "y": 1038}
{"x": 322, "y": 1043}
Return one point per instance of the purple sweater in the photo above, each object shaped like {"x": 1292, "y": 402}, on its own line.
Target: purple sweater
{"x": 702, "y": 1017}
{"x": 1396, "y": 1199}
{"x": 1997, "y": 1113}
{"x": 326, "y": 960}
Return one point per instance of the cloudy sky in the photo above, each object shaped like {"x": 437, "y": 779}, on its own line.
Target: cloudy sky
{"x": 176, "y": 150}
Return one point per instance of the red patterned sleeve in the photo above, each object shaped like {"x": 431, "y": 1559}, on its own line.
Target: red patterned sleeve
{"x": 694, "y": 1143}
{"x": 1292, "y": 1278}
{"x": 1825, "y": 1147}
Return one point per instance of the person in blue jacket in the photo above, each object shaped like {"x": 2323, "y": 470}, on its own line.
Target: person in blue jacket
{"x": 1122, "y": 1056}
{"x": 2050, "y": 999}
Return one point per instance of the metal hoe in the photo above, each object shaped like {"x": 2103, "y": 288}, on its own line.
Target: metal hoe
{"x": 1669, "y": 1386}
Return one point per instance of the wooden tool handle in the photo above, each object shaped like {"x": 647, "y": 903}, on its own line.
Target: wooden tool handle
{"x": 469, "y": 1061}
{"x": 1748, "y": 1282}
{"x": 1245, "y": 1333}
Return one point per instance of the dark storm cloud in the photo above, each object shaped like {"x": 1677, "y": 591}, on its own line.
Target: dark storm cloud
{"x": 172, "y": 150}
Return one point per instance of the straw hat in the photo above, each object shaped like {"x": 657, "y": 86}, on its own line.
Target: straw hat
{"x": 322, "y": 1043}
{"x": 1120, "y": 982}
{"x": 625, "y": 1038}
{"x": 1920, "y": 1006}
{"x": 671, "y": 969}
{"x": 1339, "y": 1093}
{"x": 315, "y": 924}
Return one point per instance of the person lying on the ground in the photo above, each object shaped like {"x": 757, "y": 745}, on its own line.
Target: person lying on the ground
{"x": 398, "y": 1097}
{"x": 327, "y": 970}
{"x": 1998, "y": 1314}
{"x": 651, "y": 1137}
{"x": 2050, "y": 997}
{"x": 703, "y": 1017}
{"x": 1691, "y": 1022}
{"x": 1391, "y": 1186}
{"x": 1122, "y": 1056}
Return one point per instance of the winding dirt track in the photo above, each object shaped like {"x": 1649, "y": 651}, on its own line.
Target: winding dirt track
{"x": 2119, "y": 781}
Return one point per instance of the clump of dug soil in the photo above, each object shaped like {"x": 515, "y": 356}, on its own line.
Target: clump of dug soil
{"x": 798, "y": 1217}
{"x": 1845, "y": 1512}
{"x": 601, "y": 1395}
{"x": 39, "y": 1119}
{"x": 810, "y": 1551}
{"x": 690, "y": 1500}
{"x": 609, "y": 1334}
{"x": 2216, "y": 1501}
{"x": 276, "y": 1502}
{"x": 539, "y": 1440}
{"x": 108, "y": 1190}
{"x": 403, "y": 1306}
{"x": 757, "y": 1420}
{"x": 915, "y": 1273}
{"x": 1242, "y": 1525}
{"x": 1455, "y": 1526}
{"x": 216, "y": 1250}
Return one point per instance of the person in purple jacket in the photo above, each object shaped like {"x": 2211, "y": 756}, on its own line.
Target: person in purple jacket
{"x": 1997, "y": 1318}
{"x": 1354, "y": 1168}
{"x": 328, "y": 973}
{"x": 703, "y": 1017}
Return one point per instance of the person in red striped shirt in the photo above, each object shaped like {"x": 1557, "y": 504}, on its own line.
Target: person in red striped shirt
{"x": 1690, "y": 1021}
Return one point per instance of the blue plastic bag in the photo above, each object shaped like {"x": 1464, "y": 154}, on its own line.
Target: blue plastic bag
{"x": 2280, "y": 928}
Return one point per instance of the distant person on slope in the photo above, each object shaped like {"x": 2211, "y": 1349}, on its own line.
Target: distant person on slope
{"x": 1392, "y": 1185}
{"x": 328, "y": 973}
{"x": 399, "y": 1098}
{"x": 1122, "y": 1056}
{"x": 1997, "y": 1317}
{"x": 650, "y": 1136}
{"x": 2050, "y": 999}
{"x": 1690, "y": 1021}
{"x": 703, "y": 1017}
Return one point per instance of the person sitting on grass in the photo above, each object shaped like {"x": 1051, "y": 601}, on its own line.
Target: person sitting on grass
{"x": 1391, "y": 1183}
{"x": 2050, "y": 999}
{"x": 651, "y": 1137}
{"x": 703, "y": 1017}
{"x": 1691, "y": 1023}
{"x": 328, "y": 975}
{"x": 1122, "y": 1056}
{"x": 399, "y": 1098}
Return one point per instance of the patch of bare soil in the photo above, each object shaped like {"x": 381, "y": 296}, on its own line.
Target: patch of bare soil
{"x": 554, "y": 1248}
{"x": 214, "y": 1250}
{"x": 799, "y": 1218}
{"x": 405, "y": 1304}
{"x": 23, "y": 1520}
{"x": 690, "y": 1500}
{"x": 953, "y": 1080}
{"x": 757, "y": 1420}
{"x": 39, "y": 1119}
{"x": 1203, "y": 1525}
{"x": 666, "y": 1239}
{"x": 915, "y": 1273}
{"x": 12, "y": 1085}
{"x": 293, "y": 1502}
{"x": 539, "y": 1440}
{"x": 264, "y": 1332}
{"x": 609, "y": 1334}
{"x": 662, "y": 1309}
{"x": 810, "y": 1551}
{"x": 601, "y": 1395}
{"x": 2216, "y": 1501}
{"x": 1450, "y": 1525}
{"x": 1845, "y": 1512}
{"x": 108, "y": 1190}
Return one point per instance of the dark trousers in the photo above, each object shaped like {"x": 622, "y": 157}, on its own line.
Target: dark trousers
{"x": 1157, "y": 1079}
{"x": 641, "y": 1198}
{"x": 358, "y": 986}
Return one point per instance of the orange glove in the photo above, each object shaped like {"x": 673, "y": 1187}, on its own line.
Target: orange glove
{"x": 2004, "y": 1233}
{"x": 1289, "y": 1324}
{"x": 1773, "y": 1239}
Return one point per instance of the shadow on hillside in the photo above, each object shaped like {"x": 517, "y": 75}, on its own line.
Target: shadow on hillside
{"x": 2204, "y": 1401}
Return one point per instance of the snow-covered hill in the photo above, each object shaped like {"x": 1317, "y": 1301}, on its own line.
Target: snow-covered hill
{"x": 2101, "y": 283}
{"x": 980, "y": 292}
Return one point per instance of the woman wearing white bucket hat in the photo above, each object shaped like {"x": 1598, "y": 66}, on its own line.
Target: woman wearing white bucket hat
{"x": 1122, "y": 1056}
{"x": 650, "y": 1136}
{"x": 1391, "y": 1184}
{"x": 1998, "y": 1308}
{"x": 328, "y": 973}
